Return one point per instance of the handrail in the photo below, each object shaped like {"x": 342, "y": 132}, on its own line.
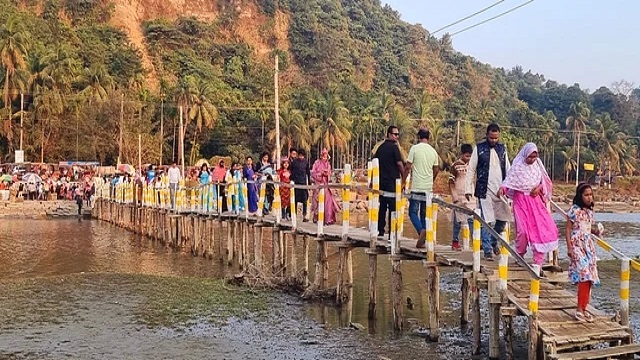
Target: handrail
{"x": 603, "y": 244}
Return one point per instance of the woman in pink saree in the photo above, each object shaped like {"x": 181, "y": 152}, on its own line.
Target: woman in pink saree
{"x": 320, "y": 174}
{"x": 529, "y": 185}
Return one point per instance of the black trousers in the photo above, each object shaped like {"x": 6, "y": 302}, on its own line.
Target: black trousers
{"x": 302, "y": 195}
{"x": 387, "y": 205}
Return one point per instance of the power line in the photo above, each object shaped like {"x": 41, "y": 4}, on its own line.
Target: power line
{"x": 492, "y": 18}
{"x": 468, "y": 17}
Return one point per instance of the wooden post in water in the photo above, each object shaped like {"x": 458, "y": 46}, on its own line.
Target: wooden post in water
{"x": 305, "y": 269}
{"x": 344, "y": 250}
{"x": 494, "y": 318}
{"x": 221, "y": 241}
{"x": 466, "y": 297}
{"x": 373, "y": 174}
{"x": 396, "y": 276}
{"x": 433, "y": 287}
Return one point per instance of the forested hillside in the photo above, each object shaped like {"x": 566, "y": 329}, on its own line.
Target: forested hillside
{"x": 348, "y": 69}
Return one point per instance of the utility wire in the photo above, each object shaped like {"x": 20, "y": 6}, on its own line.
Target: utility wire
{"x": 468, "y": 17}
{"x": 492, "y": 18}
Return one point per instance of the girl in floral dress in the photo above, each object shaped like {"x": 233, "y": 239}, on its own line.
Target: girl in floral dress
{"x": 581, "y": 249}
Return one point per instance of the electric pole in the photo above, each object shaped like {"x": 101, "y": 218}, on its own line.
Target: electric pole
{"x": 277, "y": 115}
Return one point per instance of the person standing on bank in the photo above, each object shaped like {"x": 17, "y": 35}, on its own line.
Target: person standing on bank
{"x": 422, "y": 164}
{"x": 391, "y": 169}
{"x": 488, "y": 168}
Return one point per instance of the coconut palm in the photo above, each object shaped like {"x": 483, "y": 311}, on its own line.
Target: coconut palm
{"x": 13, "y": 54}
{"x": 570, "y": 163}
{"x": 428, "y": 109}
{"x": 48, "y": 105}
{"x": 293, "y": 129}
{"x": 202, "y": 112}
{"x": 96, "y": 83}
{"x": 576, "y": 121}
{"x": 331, "y": 122}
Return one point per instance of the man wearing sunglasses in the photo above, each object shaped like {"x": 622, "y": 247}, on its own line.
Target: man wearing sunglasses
{"x": 391, "y": 168}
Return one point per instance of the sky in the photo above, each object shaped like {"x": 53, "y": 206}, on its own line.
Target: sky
{"x": 590, "y": 42}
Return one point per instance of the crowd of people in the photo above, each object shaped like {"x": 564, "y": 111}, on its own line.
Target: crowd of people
{"x": 293, "y": 168}
{"x": 483, "y": 178}
{"x": 44, "y": 183}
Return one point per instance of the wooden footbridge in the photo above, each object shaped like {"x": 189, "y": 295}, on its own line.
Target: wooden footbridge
{"x": 513, "y": 287}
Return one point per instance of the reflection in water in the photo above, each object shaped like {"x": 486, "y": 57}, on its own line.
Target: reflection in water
{"x": 33, "y": 248}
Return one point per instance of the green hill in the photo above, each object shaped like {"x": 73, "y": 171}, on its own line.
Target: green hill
{"x": 348, "y": 69}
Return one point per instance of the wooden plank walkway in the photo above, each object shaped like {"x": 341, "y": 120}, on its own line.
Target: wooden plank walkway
{"x": 553, "y": 329}
{"x": 556, "y": 321}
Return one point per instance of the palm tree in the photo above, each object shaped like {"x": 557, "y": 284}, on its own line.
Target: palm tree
{"x": 576, "y": 121}
{"x": 331, "y": 123}
{"x": 13, "y": 53}
{"x": 48, "y": 105}
{"x": 612, "y": 144}
{"x": 202, "y": 112}
{"x": 569, "y": 163}
{"x": 428, "y": 109}
{"x": 293, "y": 128}
{"x": 96, "y": 81}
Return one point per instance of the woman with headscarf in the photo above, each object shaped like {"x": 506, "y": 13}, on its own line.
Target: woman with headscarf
{"x": 252, "y": 189}
{"x": 321, "y": 174}
{"x": 529, "y": 185}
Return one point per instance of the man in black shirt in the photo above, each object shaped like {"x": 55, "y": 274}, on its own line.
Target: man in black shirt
{"x": 301, "y": 175}
{"x": 391, "y": 168}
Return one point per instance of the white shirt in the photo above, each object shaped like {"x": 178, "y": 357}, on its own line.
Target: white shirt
{"x": 174, "y": 175}
{"x": 495, "y": 173}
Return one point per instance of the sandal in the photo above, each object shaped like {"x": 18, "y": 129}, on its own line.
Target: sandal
{"x": 580, "y": 316}
{"x": 588, "y": 317}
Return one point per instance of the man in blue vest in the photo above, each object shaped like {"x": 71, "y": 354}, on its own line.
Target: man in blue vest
{"x": 488, "y": 167}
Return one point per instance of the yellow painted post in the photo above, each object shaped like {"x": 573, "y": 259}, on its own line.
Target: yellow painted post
{"x": 431, "y": 255}
{"x": 374, "y": 208}
{"x": 534, "y": 295}
{"x": 393, "y": 230}
{"x": 229, "y": 190}
{"x": 245, "y": 191}
{"x": 321, "y": 212}
{"x": 346, "y": 200}
{"x": 292, "y": 206}
{"x": 477, "y": 242}
{"x": 398, "y": 209}
{"x": 263, "y": 189}
{"x": 277, "y": 207}
{"x": 503, "y": 268}
{"x": 466, "y": 234}
{"x": 182, "y": 193}
{"x": 625, "y": 276}
{"x": 237, "y": 189}
{"x": 434, "y": 223}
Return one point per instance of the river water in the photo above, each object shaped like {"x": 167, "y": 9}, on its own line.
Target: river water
{"x": 34, "y": 249}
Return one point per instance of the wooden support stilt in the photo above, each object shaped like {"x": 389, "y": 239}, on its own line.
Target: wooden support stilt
{"x": 294, "y": 258}
{"x": 475, "y": 304}
{"x": 305, "y": 268}
{"x": 275, "y": 251}
{"x": 339, "y": 283}
{"x": 433, "y": 287}
{"x": 466, "y": 298}
{"x": 258, "y": 245}
{"x": 284, "y": 256}
{"x": 229, "y": 243}
{"x": 508, "y": 313}
{"x": 221, "y": 242}
{"x": 236, "y": 241}
{"x": 318, "y": 280}
{"x": 494, "y": 319}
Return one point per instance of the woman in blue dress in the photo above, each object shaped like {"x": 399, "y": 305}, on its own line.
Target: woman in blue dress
{"x": 205, "y": 178}
{"x": 252, "y": 190}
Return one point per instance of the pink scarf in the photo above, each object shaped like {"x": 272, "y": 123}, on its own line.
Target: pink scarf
{"x": 525, "y": 177}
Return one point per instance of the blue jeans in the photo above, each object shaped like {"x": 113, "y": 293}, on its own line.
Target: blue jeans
{"x": 457, "y": 226}
{"x": 418, "y": 213}
{"x": 488, "y": 241}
